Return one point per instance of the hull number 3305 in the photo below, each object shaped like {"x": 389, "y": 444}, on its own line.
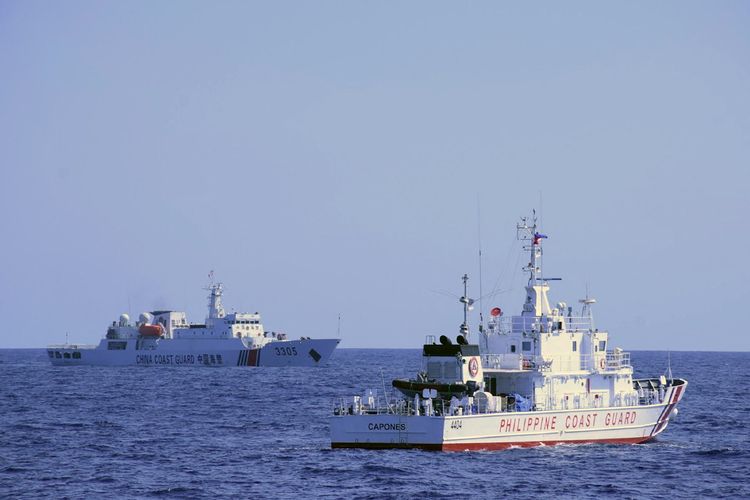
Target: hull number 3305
{"x": 286, "y": 351}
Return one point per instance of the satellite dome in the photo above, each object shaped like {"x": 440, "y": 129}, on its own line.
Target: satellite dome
{"x": 124, "y": 319}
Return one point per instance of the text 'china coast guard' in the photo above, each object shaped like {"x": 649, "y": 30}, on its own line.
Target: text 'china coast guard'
{"x": 165, "y": 338}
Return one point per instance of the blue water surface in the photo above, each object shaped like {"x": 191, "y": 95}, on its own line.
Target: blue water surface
{"x": 263, "y": 432}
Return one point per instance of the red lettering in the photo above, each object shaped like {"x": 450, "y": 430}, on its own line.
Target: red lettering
{"x": 536, "y": 422}
{"x": 554, "y": 422}
{"x": 502, "y": 424}
{"x": 567, "y": 422}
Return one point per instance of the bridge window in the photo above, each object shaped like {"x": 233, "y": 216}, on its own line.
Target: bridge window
{"x": 526, "y": 346}
{"x": 513, "y": 348}
{"x": 51, "y": 354}
{"x": 66, "y": 355}
{"x": 602, "y": 345}
{"x": 575, "y": 346}
{"x": 76, "y": 355}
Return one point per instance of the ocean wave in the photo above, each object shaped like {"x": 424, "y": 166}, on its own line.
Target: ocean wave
{"x": 130, "y": 432}
{"x": 715, "y": 452}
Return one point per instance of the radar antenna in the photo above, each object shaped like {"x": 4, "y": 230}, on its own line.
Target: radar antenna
{"x": 586, "y": 310}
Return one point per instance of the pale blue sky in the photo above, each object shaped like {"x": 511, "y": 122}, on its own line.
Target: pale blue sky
{"x": 326, "y": 158}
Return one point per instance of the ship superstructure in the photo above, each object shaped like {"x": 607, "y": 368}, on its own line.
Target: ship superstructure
{"x": 557, "y": 359}
{"x": 544, "y": 376}
{"x": 167, "y": 338}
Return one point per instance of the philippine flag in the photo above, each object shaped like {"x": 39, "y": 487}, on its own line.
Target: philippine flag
{"x": 538, "y": 236}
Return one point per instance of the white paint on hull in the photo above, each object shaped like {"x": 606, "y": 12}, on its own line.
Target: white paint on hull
{"x": 625, "y": 424}
{"x": 197, "y": 352}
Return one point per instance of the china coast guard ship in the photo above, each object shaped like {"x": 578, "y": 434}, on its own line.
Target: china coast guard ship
{"x": 166, "y": 338}
{"x": 543, "y": 377}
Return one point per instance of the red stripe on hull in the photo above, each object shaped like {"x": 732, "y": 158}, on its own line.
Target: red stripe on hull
{"x": 529, "y": 444}
{"x": 677, "y": 394}
{"x": 252, "y": 358}
{"x": 486, "y": 446}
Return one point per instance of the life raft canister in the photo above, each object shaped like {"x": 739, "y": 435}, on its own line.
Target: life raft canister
{"x": 151, "y": 330}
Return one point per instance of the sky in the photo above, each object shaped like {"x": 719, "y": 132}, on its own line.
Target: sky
{"x": 349, "y": 159}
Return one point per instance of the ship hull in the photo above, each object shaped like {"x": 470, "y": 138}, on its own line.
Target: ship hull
{"x": 197, "y": 352}
{"x": 498, "y": 431}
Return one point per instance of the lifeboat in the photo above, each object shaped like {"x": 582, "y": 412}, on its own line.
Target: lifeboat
{"x": 151, "y": 330}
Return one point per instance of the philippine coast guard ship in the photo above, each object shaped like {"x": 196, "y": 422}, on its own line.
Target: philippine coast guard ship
{"x": 543, "y": 377}
{"x": 166, "y": 338}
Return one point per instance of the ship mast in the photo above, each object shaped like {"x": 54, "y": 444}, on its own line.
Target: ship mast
{"x": 537, "y": 303}
{"x": 468, "y": 306}
{"x": 215, "y": 307}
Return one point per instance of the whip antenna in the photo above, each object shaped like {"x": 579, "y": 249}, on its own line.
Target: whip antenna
{"x": 479, "y": 239}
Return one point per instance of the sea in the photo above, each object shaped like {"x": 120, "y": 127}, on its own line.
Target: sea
{"x": 173, "y": 432}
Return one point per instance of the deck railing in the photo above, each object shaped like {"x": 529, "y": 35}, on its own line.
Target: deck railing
{"x": 375, "y": 404}
{"x": 514, "y": 361}
{"x": 612, "y": 360}
{"x": 542, "y": 324}
{"x": 617, "y": 359}
{"x": 71, "y": 346}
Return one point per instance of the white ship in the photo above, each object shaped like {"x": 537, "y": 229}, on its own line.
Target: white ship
{"x": 166, "y": 338}
{"x": 543, "y": 377}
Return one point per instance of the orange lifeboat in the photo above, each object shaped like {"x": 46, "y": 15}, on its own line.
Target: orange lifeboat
{"x": 151, "y": 330}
